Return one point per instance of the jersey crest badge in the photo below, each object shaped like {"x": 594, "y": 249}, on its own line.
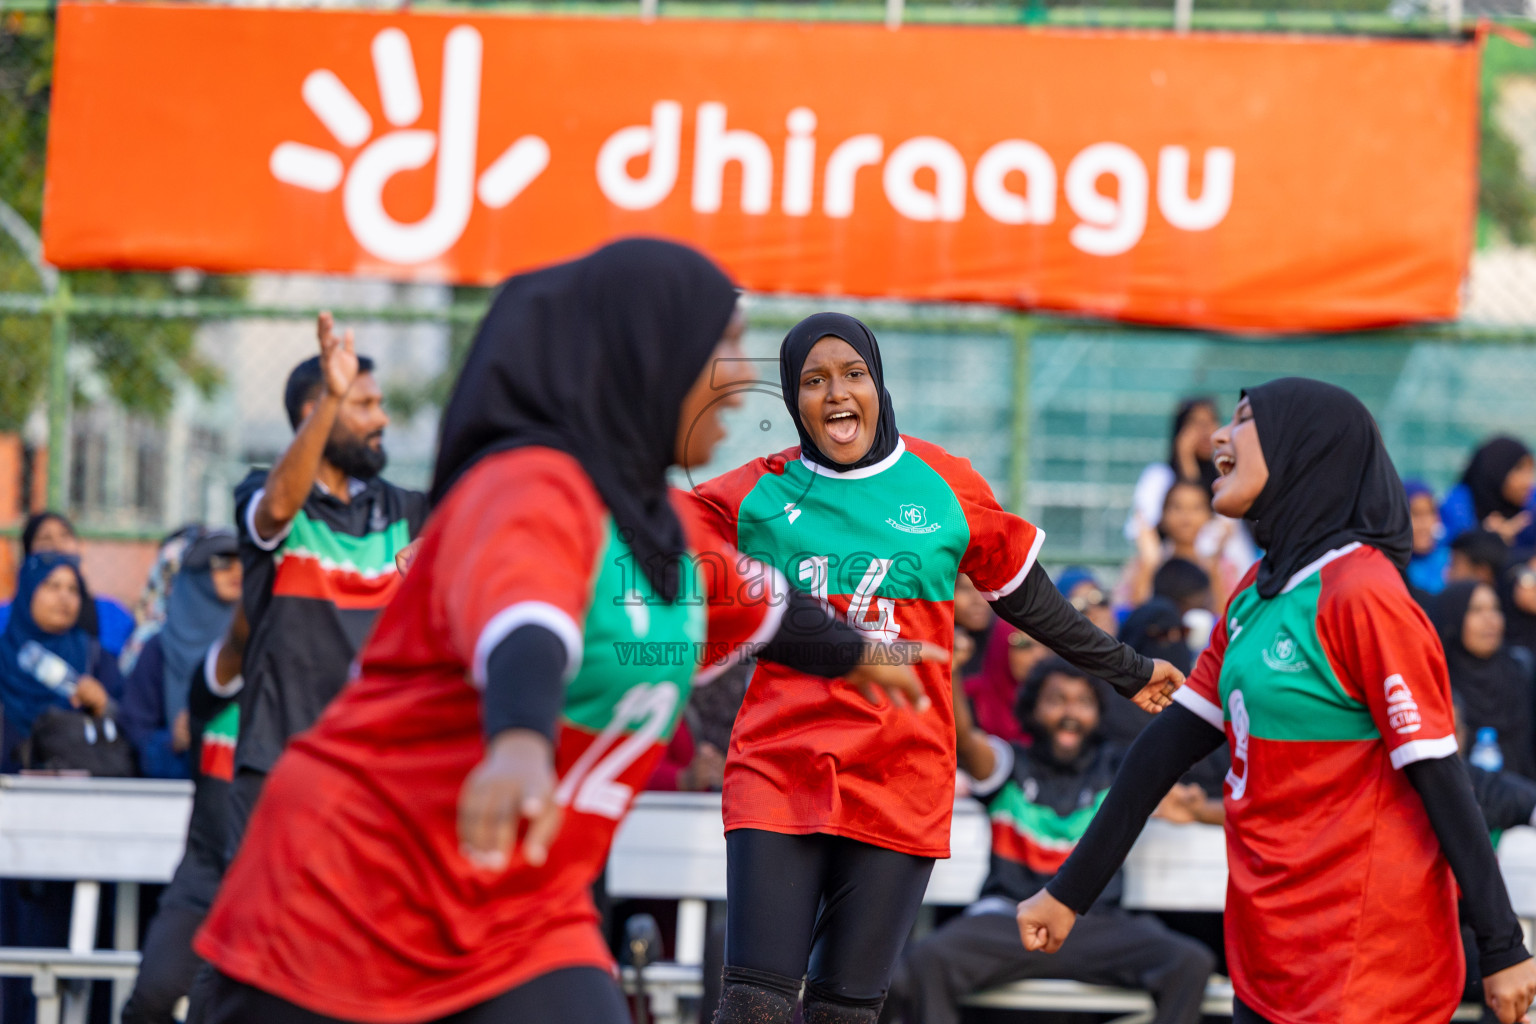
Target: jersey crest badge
{"x": 913, "y": 519}
{"x": 1284, "y": 655}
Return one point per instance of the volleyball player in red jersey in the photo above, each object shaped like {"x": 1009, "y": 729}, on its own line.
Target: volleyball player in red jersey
{"x": 425, "y": 852}
{"x": 1350, "y": 820}
{"x": 835, "y": 811}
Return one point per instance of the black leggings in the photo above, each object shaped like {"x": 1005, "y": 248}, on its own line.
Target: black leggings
{"x": 572, "y": 995}
{"x": 167, "y": 968}
{"x": 1242, "y": 1013}
{"x": 831, "y": 910}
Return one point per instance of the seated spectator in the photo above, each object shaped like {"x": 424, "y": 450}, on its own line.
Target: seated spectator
{"x": 1041, "y": 799}
{"x": 1478, "y": 556}
{"x": 1189, "y": 588}
{"x": 42, "y": 632}
{"x": 1157, "y": 630}
{"x": 1081, "y": 588}
{"x": 1517, "y": 597}
{"x": 688, "y": 767}
{"x": 973, "y": 616}
{"x": 1431, "y": 557}
{"x": 1190, "y": 454}
{"x": 1495, "y": 687}
{"x": 42, "y": 649}
{"x": 201, "y": 601}
{"x": 103, "y": 618}
{"x": 149, "y": 609}
{"x": 993, "y": 691}
{"x": 1495, "y": 493}
{"x": 1188, "y": 530}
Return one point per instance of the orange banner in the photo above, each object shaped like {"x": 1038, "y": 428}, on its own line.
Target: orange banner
{"x": 1236, "y": 182}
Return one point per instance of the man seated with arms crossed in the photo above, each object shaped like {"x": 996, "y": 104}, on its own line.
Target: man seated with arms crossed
{"x": 1040, "y": 799}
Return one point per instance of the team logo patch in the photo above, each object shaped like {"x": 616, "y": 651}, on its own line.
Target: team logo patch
{"x": 1402, "y": 710}
{"x": 1284, "y": 654}
{"x": 913, "y": 519}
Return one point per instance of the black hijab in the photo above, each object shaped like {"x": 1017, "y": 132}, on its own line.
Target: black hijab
{"x": 593, "y": 358}
{"x": 1207, "y": 467}
{"x": 1331, "y": 481}
{"x": 1485, "y": 475}
{"x": 798, "y": 344}
{"x": 1495, "y": 691}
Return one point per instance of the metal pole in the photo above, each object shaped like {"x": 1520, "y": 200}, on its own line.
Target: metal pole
{"x": 1183, "y": 13}
{"x": 894, "y": 9}
{"x": 1018, "y": 465}
{"x": 649, "y": 9}
{"x": 59, "y": 400}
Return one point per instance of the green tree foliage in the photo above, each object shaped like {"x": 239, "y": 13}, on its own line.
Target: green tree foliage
{"x": 141, "y": 361}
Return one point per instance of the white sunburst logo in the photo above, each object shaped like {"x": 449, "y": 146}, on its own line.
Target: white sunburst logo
{"x": 406, "y": 148}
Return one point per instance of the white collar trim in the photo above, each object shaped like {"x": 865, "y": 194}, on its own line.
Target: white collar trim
{"x": 1301, "y": 576}
{"x": 865, "y": 471}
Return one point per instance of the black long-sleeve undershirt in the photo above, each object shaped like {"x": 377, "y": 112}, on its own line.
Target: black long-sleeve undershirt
{"x": 525, "y": 672}
{"x": 1165, "y": 750}
{"x": 1446, "y": 790}
{"x": 1178, "y": 738}
{"x": 1040, "y": 610}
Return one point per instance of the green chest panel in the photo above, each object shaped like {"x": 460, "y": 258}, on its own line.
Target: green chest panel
{"x": 1276, "y": 659}
{"x": 631, "y": 638}
{"x": 899, "y": 534}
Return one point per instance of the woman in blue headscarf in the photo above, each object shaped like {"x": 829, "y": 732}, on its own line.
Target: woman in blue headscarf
{"x": 198, "y": 608}
{"x": 1431, "y": 552}
{"x": 44, "y": 649}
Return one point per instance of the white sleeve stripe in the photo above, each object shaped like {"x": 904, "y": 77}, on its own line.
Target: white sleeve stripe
{"x": 1000, "y": 771}
{"x": 211, "y": 674}
{"x": 527, "y": 613}
{"x": 1424, "y": 750}
{"x": 1198, "y": 703}
{"x": 266, "y": 544}
{"x": 1018, "y": 577}
{"x": 777, "y": 599}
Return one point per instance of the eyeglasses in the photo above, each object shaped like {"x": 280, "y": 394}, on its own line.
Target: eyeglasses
{"x": 1094, "y": 598}
{"x": 1021, "y": 642}
{"x": 221, "y": 563}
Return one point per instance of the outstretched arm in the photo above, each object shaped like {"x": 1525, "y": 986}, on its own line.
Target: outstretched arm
{"x": 1161, "y": 754}
{"x": 1040, "y": 610}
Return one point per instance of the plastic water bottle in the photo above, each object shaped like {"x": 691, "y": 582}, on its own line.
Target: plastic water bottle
{"x": 1485, "y": 752}
{"x": 48, "y": 668}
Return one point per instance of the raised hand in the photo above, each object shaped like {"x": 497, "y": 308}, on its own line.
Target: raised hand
{"x": 879, "y": 672}
{"x": 515, "y": 783}
{"x": 338, "y": 356}
{"x": 1044, "y": 922}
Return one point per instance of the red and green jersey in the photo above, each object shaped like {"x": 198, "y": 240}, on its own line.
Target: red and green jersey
{"x": 884, "y": 545}
{"x": 1340, "y": 907}
{"x": 353, "y": 898}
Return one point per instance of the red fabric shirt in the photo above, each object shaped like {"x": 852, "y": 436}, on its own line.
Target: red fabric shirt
{"x": 350, "y": 896}
{"x": 885, "y": 546}
{"x": 1341, "y": 908}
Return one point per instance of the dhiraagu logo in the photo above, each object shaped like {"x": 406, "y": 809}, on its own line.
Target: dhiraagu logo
{"x": 913, "y": 519}
{"x": 408, "y": 147}
{"x": 1284, "y": 654}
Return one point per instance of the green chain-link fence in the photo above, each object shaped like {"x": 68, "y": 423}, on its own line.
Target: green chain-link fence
{"x": 136, "y": 401}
